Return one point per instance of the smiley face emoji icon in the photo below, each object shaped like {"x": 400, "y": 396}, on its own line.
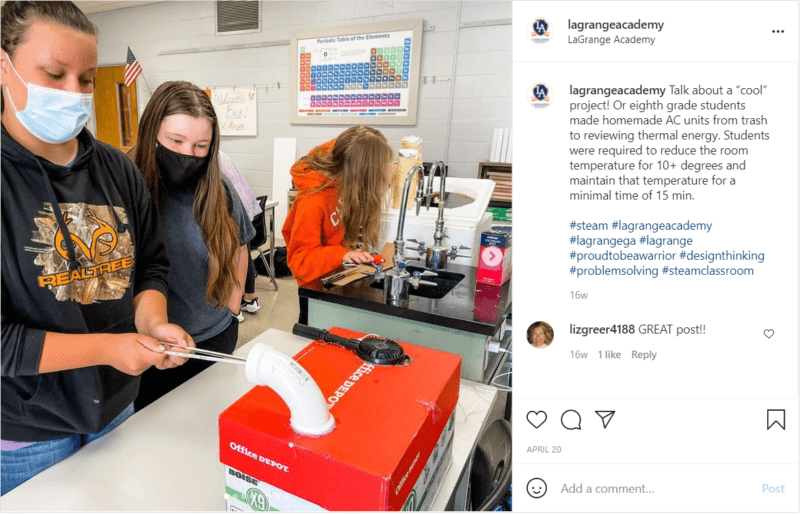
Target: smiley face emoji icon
{"x": 537, "y": 488}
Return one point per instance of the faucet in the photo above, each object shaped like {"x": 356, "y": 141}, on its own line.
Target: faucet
{"x": 399, "y": 243}
{"x": 396, "y": 280}
{"x": 438, "y": 235}
{"x": 436, "y": 255}
{"x": 429, "y": 190}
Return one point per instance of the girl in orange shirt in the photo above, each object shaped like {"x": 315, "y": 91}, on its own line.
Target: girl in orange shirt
{"x": 337, "y": 211}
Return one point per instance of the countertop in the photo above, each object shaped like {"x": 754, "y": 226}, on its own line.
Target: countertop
{"x": 166, "y": 457}
{"x": 471, "y": 306}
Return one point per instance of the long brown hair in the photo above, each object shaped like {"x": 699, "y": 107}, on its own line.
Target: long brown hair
{"x": 210, "y": 204}
{"x": 359, "y": 162}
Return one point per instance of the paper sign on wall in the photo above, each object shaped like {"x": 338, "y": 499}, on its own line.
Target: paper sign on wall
{"x": 237, "y": 110}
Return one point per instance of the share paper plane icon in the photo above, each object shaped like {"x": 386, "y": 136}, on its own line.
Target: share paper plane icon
{"x": 606, "y": 416}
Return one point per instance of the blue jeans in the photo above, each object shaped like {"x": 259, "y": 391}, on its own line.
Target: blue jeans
{"x": 20, "y": 465}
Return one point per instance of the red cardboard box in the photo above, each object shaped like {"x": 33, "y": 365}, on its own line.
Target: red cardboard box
{"x": 494, "y": 262}
{"x": 389, "y": 420}
{"x": 487, "y": 299}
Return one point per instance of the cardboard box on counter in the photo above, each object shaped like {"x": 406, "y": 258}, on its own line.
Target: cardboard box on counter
{"x": 391, "y": 446}
{"x": 494, "y": 265}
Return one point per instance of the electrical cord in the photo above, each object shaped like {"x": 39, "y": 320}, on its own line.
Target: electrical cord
{"x": 491, "y": 390}
{"x": 466, "y": 415}
{"x": 501, "y": 387}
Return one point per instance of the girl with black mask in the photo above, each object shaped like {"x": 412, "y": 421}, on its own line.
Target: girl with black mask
{"x": 207, "y": 229}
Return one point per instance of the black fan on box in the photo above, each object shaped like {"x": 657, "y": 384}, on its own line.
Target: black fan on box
{"x": 373, "y": 349}
{"x": 377, "y": 350}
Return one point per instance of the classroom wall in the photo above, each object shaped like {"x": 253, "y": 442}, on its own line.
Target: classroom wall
{"x": 481, "y": 89}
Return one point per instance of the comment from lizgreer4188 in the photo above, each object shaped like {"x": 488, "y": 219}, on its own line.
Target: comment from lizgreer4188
{"x": 656, "y": 199}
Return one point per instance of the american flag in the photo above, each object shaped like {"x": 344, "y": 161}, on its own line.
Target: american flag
{"x": 132, "y": 69}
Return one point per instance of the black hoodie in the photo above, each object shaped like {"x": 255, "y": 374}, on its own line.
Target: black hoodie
{"x": 117, "y": 251}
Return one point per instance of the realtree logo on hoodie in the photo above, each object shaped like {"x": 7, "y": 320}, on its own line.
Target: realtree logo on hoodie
{"x": 105, "y": 256}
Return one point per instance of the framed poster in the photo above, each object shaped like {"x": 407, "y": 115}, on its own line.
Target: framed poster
{"x": 361, "y": 74}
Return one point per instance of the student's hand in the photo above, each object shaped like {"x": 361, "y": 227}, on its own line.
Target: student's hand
{"x": 357, "y": 256}
{"x": 133, "y": 353}
{"x": 172, "y": 333}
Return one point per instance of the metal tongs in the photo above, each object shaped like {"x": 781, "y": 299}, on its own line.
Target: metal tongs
{"x": 206, "y": 355}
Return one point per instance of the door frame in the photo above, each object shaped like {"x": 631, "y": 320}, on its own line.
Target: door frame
{"x": 134, "y": 112}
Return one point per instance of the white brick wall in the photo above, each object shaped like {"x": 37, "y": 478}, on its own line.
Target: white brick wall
{"x": 481, "y": 88}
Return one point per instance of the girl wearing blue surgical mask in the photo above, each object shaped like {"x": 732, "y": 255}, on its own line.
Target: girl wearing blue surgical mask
{"x": 207, "y": 228}
{"x": 84, "y": 264}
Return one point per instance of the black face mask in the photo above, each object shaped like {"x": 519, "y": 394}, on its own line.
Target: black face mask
{"x": 178, "y": 169}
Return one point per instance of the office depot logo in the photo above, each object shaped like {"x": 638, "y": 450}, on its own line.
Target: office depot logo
{"x": 364, "y": 369}
{"x": 539, "y": 31}
{"x": 260, "y": 458}
{"x": 539, "y": 96}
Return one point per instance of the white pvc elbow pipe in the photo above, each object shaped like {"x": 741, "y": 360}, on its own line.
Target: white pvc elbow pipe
{"x": 266, "y": 366}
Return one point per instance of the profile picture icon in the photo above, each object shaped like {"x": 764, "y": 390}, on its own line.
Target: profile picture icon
{"x": 540, "y": 334}
{"x": 539, "y": 30}
{"x": 539, "y": 96}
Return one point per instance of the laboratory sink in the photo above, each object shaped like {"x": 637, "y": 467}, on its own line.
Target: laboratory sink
{"x": 452, "y": 200}
{"x": 459, "y": 322}
{"x": 445, "y": 282}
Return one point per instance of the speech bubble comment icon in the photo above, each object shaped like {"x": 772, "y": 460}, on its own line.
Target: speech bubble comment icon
{"x": 571, "y": 420}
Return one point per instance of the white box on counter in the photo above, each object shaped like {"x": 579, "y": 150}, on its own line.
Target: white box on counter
{"x": 463, "y": 224}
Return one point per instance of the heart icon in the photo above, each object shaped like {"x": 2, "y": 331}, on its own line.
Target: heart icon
{"x": 769, "y": 333}
{"x": 537, "y": 419}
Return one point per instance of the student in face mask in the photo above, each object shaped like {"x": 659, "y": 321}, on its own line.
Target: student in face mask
{"x": 84, "y": 268}
{"x": 207, "y": 229}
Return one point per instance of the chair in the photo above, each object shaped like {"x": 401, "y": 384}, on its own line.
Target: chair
{"x": 264, "y": 230}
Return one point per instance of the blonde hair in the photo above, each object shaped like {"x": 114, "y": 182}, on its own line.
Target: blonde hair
{"x": 359, "y": 162}
{"x": 210, "y": 205}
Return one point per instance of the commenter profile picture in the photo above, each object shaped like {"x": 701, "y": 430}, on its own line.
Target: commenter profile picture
{"x": 540, "y": 334}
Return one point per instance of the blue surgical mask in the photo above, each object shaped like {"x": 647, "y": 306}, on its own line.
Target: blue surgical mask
{"x": 53, "y": 115}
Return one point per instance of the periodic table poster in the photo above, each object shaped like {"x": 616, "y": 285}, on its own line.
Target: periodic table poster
{"x": 366, "y": 74}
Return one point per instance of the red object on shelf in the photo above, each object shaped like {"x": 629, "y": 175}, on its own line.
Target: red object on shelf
{"x": 494, "y": 266}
